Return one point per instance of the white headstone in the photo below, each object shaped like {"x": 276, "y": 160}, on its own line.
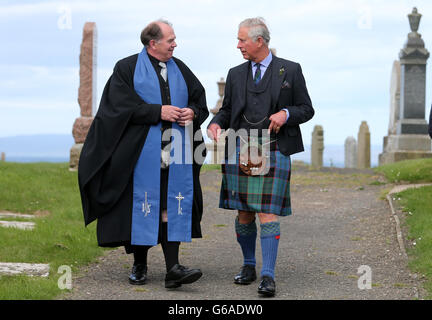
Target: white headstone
{"x": 350, "y": 152}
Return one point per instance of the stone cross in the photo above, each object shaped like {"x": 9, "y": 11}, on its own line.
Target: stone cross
{"x": 88, "y": 70}
{"x": 363, "y": 148}
{"x": 317, "y": 147}
{"x": 350, "y": 152}
{"x": 86, "y": 92}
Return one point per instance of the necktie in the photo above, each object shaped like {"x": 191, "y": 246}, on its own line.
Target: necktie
{"x": 257, "y": 77}
{"x": 163, "y": 71}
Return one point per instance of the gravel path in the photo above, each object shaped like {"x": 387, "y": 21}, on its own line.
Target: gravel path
{"x": 340, "y": 222}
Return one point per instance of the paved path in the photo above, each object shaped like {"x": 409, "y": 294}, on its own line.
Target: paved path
{"x": 340, "y": 222}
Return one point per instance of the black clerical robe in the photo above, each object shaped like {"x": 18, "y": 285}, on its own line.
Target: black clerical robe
{"x": 113, "y": 146}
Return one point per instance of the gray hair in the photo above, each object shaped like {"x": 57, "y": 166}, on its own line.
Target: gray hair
{"x": 257, "y": 28}
{"x": 153, "y": 32}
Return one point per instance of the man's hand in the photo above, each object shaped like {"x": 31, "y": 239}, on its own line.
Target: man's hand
{"x": 277, "y": 121}
{"x": 187, "y": 115}
{"x": 214, "y": 132}
{"x": 170, "y": 113}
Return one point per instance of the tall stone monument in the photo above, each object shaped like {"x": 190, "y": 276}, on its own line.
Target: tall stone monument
{"x": 86, "y": 92}
{"x": 408, "y": 134}
{"x": 363, "y": 147}
{"x": 217, "y": 150}
{"x": 221, "y": 91}
{"x": 317, "y": 147}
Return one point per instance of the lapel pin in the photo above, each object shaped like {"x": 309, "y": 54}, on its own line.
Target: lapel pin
{"x": 281, "y": 71}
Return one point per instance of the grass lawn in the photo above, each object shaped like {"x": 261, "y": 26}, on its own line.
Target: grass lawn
{"x": 417, "y": 204}
{"x": 411, "y": 171}
{"x": 49, "y": 191}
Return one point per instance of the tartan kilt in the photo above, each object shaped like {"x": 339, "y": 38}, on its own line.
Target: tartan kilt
{"x": 269, "y": 193}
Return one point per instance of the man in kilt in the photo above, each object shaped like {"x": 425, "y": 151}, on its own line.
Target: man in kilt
{"x": 267, "y": 95}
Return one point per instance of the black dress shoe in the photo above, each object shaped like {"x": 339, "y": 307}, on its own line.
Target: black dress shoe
{"x": 179, "y": 275}
{"x": 267, "y": 286}
{"x": 247, "y": 275}
{"x": 138, "y": 275}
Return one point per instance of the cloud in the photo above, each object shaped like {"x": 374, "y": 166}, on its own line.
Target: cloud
{"x": 347, "y": 67}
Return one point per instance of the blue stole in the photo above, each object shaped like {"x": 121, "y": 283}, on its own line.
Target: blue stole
{"x": 146, "y": 183}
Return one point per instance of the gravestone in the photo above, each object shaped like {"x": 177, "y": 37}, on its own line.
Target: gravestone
{"x": 317, "y": 147}
{"x": 30, "y": 269}
{"x": 363, "y": 147}
{"x": 394, "y": 97}
{"x": 17, "y": 224}
{"x": 3, "y": 156}
{"x": 13, "y": 268}
{"x": 350, "y": 152}
{"x": 86, "y": 92}
{"x": 23, "y": 225}
{"x": 16, "y": 215}
{"x": 408, "y": 134}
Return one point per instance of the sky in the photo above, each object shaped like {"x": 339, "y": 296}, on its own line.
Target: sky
{"x": 346, "y": 50}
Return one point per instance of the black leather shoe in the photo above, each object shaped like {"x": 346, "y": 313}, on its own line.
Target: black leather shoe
{"x": 138, "y": 275}
{"x": 267, "y": 286}
{"x": 179, "y": 275}
{"x": 247, "y": 275}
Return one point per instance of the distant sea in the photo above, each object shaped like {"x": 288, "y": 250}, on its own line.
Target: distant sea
{"x": 56, "y": 148}
{"x": 37, "y": 148}
{"x": 334, "y": 155}
{"x": 30, "y": 159}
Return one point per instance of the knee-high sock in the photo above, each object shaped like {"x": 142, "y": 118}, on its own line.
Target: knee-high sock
{"x": 170, "y": 248}
{"x": 246, "y": 237}
{"x": 270, "y": 234}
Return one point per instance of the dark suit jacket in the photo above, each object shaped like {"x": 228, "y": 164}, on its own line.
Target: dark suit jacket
{"x": 288, "y": 90}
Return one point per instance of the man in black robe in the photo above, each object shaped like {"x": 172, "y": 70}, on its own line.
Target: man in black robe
{"x": 114, "y": 144}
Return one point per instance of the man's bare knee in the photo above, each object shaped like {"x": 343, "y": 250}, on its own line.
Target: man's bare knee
{"x": 267, "y": 217}
{"x": 245, "y": 217}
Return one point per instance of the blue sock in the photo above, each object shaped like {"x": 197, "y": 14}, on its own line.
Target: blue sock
{"x": 270, "y": 234}
{"x": 246, "y": 237}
